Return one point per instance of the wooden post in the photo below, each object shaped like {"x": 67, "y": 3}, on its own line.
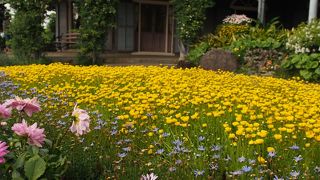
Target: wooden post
{"x": 139, "y": 29}
{"x": 261, "y": 10}
{"x": 313, "y": 10}
{"x": 167, "y": 29}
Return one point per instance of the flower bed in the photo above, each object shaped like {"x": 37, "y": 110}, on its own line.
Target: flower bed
{"x": 178, "y": 124}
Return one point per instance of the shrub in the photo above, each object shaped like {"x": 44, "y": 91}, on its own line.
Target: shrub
{"x": 197, "y": 52}
{"x": 306, "y": 64}
{"x": 305, "y": 39}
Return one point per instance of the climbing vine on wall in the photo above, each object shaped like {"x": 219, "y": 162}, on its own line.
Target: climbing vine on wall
{"x": 96, "y": 19}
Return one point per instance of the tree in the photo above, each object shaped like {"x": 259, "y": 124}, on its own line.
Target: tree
{"x": 190, "y": 16}
{"x": 26, "y": 27}
{"x": 96, "y": 19}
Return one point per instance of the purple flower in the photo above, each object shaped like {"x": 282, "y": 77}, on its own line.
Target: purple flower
{"x": 294, "y": 147}
{"x": 201, "y": 138}
{"x": 198, "y": 173}
{"x": 159, "y": 151}
{"x": 236, "y": 173}
{"x": 246, "y": 168}
{"x": 297, "y": 158}
{"x": 277, "y": 178}
{"x": 241, "y": 159}
{"x": 201, "y": 148}
{"x": 178, "y": 161}
{"x": 126, "y": 149}
{"x": 122, "y": 155}
{"x": 114, "y": 132}
{"x": 295, "y": 174}
{"x": 177, "y": 142}
{"x": 272, "y": 154}
{"x": 215, "y": 148}
{"x": 165, "y": 134}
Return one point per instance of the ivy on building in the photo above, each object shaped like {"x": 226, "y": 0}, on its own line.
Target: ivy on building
{"x": 96, "y": 19}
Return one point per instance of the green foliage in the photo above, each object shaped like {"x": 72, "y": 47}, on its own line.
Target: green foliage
{"x": 271, "y": 37}
{"x": 25, "y": 29}
{"x": 305, "y": 38}
{"x": 197, "y": 52}
{"x": 34, "y": 167}
{"x": 49, "y": 33}
{"x": 307, "y": 64}
{"x": 97, "y": 17}
{"x": 190, "y": 16}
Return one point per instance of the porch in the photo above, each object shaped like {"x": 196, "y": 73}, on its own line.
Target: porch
{"x": 118, "y": 59}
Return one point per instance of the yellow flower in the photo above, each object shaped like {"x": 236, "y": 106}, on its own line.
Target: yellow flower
{"x": 261, "y": 160}
{"x": 270, "y": 149}
{"x": 277, "y": 136}
{"x": 204, "y": 125}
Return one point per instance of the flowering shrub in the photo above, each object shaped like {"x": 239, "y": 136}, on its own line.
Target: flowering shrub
{"x": 237, "y": 19}
{"x": 305, "y": 39}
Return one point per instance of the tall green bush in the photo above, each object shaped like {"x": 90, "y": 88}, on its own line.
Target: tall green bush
{"x": 190, "y": 16}
{"x": 25, "y": 29}
{"x": 96, "y": 18}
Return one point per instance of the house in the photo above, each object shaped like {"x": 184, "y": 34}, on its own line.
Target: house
{"x": 148, "y": 26}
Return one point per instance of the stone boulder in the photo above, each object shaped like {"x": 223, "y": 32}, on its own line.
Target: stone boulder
{"x": 219, "y": 59}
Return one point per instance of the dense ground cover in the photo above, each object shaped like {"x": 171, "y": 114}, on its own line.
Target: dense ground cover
{"x": 179, "y": 124}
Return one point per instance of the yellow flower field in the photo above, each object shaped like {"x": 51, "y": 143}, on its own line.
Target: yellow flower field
{"x": 249, "y": 113}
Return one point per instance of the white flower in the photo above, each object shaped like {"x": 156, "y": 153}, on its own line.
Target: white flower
{"x": 81, "y": 123}
{"x": 149, "y": 177}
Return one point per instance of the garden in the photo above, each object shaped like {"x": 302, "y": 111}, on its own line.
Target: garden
{"x": 63, "y": 121}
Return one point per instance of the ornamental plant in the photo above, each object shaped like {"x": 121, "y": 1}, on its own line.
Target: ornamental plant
{"x": 237, "y": 19}
{"x": 26, "y": 153}
{"x": 190, "y": 16}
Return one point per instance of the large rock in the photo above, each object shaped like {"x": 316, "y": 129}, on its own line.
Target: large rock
{"x": 219, "y": 59}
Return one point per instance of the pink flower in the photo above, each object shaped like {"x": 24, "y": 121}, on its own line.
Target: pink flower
{"x": 3, "y": 151}
{"x": 28, "y": 105}
{"x": 81, "y": 123}
{"x": 35, "y": 135}
{"x": 4, "y": 112}
{"x": 20, "y": 128}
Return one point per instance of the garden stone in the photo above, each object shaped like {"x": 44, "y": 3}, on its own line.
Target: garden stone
{"x": 219, "y": 59}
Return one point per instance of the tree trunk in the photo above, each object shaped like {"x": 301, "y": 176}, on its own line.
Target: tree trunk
{"x": 183, "y": 51}
{"x": 94, "y": 58}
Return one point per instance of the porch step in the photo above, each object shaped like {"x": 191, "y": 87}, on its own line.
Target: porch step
{"x": 119, "y": 59}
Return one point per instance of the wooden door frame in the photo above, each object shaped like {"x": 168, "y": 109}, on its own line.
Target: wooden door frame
{"x": 163, "y": 3}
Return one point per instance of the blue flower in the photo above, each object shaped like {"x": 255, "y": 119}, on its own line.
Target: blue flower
{"x": 198, "y": 173}
{"x": 236, "y": 173}
{"x": 216, "y": 156}
{"x": 126, "y": 149}
{"x": 201, "y": 138}
{"x": 297, "y": 158}
{"x": 201, "y": 148}
{"x": 294, "y": 147}
{"x": 216, "y": 148}
{"x": 159, "y": 151}
{"x": 177, "y": 142}
{"x": 295, "y": 174}
{"x": 113, "y": 132}
{"x": 241, "y": 159}
{"x": 277, "y": 178}
{"x": 246, "y": 168}
{"x": 165, "y": 134}
{"x": 122, "y": 155}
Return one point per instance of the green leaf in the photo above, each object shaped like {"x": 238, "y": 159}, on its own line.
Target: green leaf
{"x": 34, "y": 167}
{"x": 312, "y": 64}
{"x": 296, "y": 59}
{"x": 317, "y": 71}
{"x": 20, "y": 161}
{"x": 306, "y": 74}
{"x": 16, "y": 175}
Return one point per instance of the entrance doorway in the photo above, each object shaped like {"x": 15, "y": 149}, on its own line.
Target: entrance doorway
{"x": 153, "y": 27}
